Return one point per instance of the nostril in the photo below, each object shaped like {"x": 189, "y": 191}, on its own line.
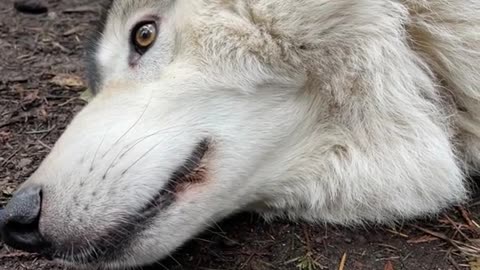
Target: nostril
{"x": 19, "y": 225}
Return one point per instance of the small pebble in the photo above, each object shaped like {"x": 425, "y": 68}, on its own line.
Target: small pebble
{"x": 319, "y": 240}
{"x": 229, "y": 243}
{"x": 361, "y": 239}
{"x": 30, "y": 6}
{"x": 24, "y": 162}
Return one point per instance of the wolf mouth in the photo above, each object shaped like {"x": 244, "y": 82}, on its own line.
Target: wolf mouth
{"x": 191, "y": 172}
{"x": 112, "y": 244}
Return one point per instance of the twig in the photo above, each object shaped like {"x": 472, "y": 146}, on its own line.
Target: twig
{"x": 457, "y": 227}
{"x": 453, "y": 262}
{"x": 15, "y": 255}
{"x": 437, "y": 234}
{"x": 12, "y": 121}
{"x": 44, "y": 145}
{"x": 465, "y": 248}
{"x": 6, "y": 11}
{"x": 307, "y": 239}
{"x": 68, "y": 101}
{"x": 41, "y": 131}
{"x": 398, "y": 233}
{"x": 82, "y": 9}
{"x": 343, "y": 262}
{"x": 248, "y": 261}
{"x": 11, "y": 156}
{"x": 467, "y": 218}
{"x": 388, "y": 247}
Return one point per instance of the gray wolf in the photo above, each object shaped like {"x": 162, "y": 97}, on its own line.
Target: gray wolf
{"x": 345, "y": 111}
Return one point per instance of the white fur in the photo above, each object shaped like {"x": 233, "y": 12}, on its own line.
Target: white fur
{"x": 344, "y": 111}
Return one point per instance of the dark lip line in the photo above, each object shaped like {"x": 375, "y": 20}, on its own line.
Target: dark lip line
{"x": 112, "y": 244}
{"x": 166, "y": 196}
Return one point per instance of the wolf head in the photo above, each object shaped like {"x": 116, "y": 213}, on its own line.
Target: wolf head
{"x": 203, "y": 108}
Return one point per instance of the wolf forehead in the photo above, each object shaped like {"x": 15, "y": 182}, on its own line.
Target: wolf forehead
{"x": 228, "y": 33}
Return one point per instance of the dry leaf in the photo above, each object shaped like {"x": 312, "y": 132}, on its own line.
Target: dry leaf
{"x": 475, "y": 264}
{"x": 30, "y": 97}
{"x": 68, "y": 80}
{"x": 388, "y": 266}
{"x": 8, "y": 191}
{"x": 43, "y": 114}
{"x": 5, "y": 136}
{"x": 87, "y": 95}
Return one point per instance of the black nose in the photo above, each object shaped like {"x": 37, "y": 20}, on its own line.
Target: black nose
{"x": 19, "y": 220}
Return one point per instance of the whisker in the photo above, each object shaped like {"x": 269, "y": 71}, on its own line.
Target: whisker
{"x": 131, "y": 127}
{"x": 96, "y": 151}
{"x": 162, "y": 265}
{"x": 141, "y": 157}
{"x": 122, "y": 154}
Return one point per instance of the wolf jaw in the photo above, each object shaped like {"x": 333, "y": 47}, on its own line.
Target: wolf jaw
{"x": 317, "y": 110}
{"x": 108, "y": 247}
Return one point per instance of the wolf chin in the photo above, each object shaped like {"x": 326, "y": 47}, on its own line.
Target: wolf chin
{"x": 345, "y": 111}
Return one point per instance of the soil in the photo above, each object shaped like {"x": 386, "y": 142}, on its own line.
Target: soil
{"x": 41, "y": 83}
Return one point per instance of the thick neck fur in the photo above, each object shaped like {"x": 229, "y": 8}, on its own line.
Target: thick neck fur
{"x": 385, "y": 131}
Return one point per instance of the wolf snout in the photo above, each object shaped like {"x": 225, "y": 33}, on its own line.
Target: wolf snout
{"x": 19, "y": 221}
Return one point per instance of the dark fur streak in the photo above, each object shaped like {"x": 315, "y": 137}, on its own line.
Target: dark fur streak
{"x": 93, "y": 75}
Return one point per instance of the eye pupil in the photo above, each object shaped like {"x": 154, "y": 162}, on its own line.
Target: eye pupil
{"x": 145, "y": 33}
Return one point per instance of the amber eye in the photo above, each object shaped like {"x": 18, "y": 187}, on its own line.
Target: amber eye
{"x": 143, "y": 36}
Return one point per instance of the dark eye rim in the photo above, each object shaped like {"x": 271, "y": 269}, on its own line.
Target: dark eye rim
{"x": 133, "y": 34}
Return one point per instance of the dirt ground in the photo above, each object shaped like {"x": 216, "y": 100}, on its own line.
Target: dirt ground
{"x": 41, "y": 68}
